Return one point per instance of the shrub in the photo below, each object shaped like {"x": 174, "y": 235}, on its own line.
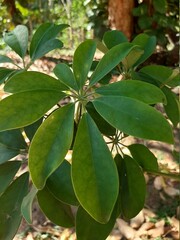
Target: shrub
{"x": 102, "y": 182}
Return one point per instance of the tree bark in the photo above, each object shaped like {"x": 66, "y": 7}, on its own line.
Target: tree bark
{"x": 120, "y": 16}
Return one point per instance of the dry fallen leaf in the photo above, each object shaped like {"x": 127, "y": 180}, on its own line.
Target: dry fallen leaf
{"x": 138, "y": 220}
{"x": 172, "y": 192}
{"x": 125, "y": 230}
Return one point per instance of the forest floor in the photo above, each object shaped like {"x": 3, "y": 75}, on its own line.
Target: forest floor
{"x": 160, "y": 218}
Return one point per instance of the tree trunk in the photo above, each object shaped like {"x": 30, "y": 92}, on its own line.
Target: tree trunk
{"x": 120, "y": 16}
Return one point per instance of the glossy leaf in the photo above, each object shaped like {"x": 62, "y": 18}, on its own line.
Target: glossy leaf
{"x": 139, "y": 90}
{"x": 44, "y": 41}
{"x": 144, "y": 157}
{"x": 10, "y": 213}
{"x": 18, "y": 40}
{"x": 56, "y": 211}
{"x": 6, "y": 153}
{"x": 55, "y": 135}
{"x": 5, "y": 73}
{"x": 110, "y": 60}
{"x": 113, "y": 38}
{"x": 132, "y": 190}
{"x": 31, "y": 129}
{"x": 103, "y": 126}
{"x": 28, "y": 81}
{"x": 87, "y": 228}
{"x": 24, "y": 108}
{"x": 60, "y": 184}
{"x": 172, "y": 107}
{"x": 82, "y": 61}
{"x": 147, "y": 43}
{"x": 132, "y": 58}
{"x": 5, "y": 59}
{"x": 134, "y": 118}
{"x": 7, "y": 173}
{"x": 26, "y": 207}
{"x": 94, "y": 173}
{"x": 65, "y": 75}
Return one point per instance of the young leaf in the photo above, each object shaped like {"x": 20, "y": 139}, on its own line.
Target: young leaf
{"x": 94, "y": 173}
{"x": 82, "y": 61}
{"x": 147, "y": 43}
{"x": 27, "y": 81}
{"x": 44, "y": 41}
{"x": 134, "y": 118}
{"x": 87, "y": 228}
{"x": 172, "y": 107}
{"x": 26, "y": 107}
{"x": 144, "y": 157}
{"x": 139, "y": 90}
{"x": 132, "y": 186}
{"x": 18, "y": 40}
{"x": 56, "y": 211}
{"x": 7, "y": 173}
{"x": 110, "y": 60}
{"x": 65, "y": 75}
{"x": 55, "y": 135}
{"x": 60, "y": 184}
{"x": 113, "y": 38}
{"x": 10, "y": 213}
{"x": 26, "y": 207}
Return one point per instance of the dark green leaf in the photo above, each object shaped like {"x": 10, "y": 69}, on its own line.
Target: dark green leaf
{"x": 7, "y": 173}
{"x": 160, "y": 6}
{"x": 139, "y": 90}
{"x": 87, "y": 228}
{"x": 7, "y": 153}
{"x": 18, "y": 40}
{"x": 56, "y": 211}
{"x": 5, "y": 73}
{"x": 5, "y": 59}
{"x": 132, "y": 58}
{"x": 147, "y": 43}
{"x": 65, "y": 75}
{"x": 134, "y": 118}
{"x": 24, "y": 108}
{"x": 44, "y": 40}
{"x": 132, "y": 186}
{"x": 60, "y": 184}
{"x": 94, "y": 173}
{"x": 30, "y": 130}
{"x": 144, "y": 157}
{"x": 55, "y": 135}
{"x": 110, "y": 60}
{"x": 172, "y": 107}
{"x": 82, "y": 61}
{"x": 26, "y": 207}
{"x": 27, "y": 81}
{"x": 104, "y": 127}
{"x": 10, "y": 213}
{"x": 113, "y": 38}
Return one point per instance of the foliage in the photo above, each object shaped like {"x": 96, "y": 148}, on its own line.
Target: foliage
{"x": 100, "y": 180}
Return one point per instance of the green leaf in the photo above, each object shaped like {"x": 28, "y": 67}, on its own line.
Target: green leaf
{"x": 18, "y": 40}
{"x": 65, "y": 75}
{"x": 134, "y": 118}
{"x": 60, "y": 184}
{"x": 44, "y": 41}
{"x": 157, "y": 72}
{"x": 147, "y": 43}
{"x": 144, "y": 157}
{"x": 24, "y": 108}
{"x": 28, "y": 81}
{"x": 132, "y": 189}
{"x": 87, "y": 228}
{"x": 26, "y": 207}
{"x": 10, "y": 144}
{"x": 113, "y": 38}
{"x": 30, "y": 130}
{"x": 110, "y": 60}
{"x": 172, "y": 107}
{"x": 56, "y": 211}
{"x": 5, "y": 59}
{"x": 10, "y": 213}
{"x": 132, "y": 58}
{"x": 55, "y": 135}
{"x": 7, "y": 173}
{"x": 94, "y": 173}
{"x": 160, "y": 6}
{"x": 103, "y": 126}
{"x": 139, "y": 90}
{"x": 82, "y": 61}
{"x": 5, "y": 73}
